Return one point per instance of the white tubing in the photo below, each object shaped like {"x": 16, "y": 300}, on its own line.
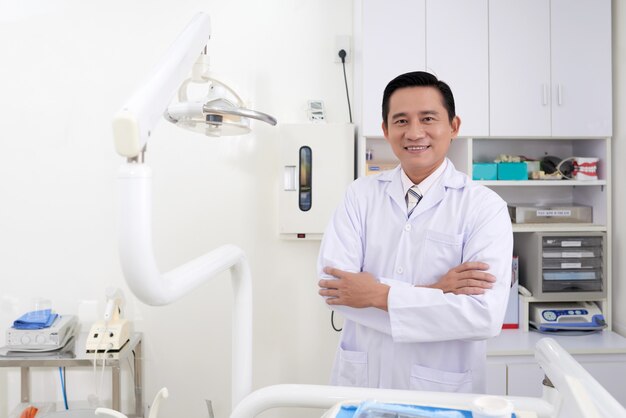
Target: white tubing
{"x": 152, "y": 287}
{"x": 156, "y": 403}
{"x": 109, "y": 412}
{"x": 325, "y": 397}
{"x": 582, "y": 395}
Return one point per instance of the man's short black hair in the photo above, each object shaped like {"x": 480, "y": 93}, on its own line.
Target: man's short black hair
{"x": 419, "y": 79}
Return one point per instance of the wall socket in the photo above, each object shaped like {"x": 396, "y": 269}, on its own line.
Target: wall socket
{"x": 343, "y": 42}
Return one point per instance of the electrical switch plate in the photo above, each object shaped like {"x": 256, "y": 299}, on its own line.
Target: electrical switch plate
{"x": 316, "y": 111}
{"x": 342, "y": 42}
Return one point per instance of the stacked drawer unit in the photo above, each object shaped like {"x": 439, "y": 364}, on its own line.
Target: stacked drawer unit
{"x": 563, "y": 266}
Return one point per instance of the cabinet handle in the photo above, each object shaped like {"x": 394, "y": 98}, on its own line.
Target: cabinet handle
{"x": 559, "y": 94}
{"x": 545, "y": 94}
{"x": 290, "y": 178}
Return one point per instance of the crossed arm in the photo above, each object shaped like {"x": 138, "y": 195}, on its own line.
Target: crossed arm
{"x": 363, "y": 290}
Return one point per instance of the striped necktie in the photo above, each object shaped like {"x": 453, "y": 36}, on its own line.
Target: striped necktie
{"x": 412, "y": 199}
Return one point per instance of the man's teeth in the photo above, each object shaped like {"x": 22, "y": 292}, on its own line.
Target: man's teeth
{"x": 417, "y": 148}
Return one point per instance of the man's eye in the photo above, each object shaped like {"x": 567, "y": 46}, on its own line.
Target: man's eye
{"x": 400, "y": 122}
{"x": 428, "y": 119}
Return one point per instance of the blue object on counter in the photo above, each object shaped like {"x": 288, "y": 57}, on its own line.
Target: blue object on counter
{"x": 484, "y": 171}
{"x": 36, "y": 319}
{"x": 372, "y": 409}
{"x": 512, "y": 171}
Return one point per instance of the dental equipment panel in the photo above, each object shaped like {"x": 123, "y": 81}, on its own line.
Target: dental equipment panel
{"x": 113, "y": 331}
{"x": 317, "y": 162}
{"x": 50, "y": 338}
{"x": 553, "y": 317}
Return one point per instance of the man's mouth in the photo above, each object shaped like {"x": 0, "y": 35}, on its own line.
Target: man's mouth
{"x": 417, "y": 147}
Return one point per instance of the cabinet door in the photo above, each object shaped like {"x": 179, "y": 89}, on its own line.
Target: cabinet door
{"x": 525, "y": 379}
{"x": 519, "y": 67}
{"x": 496, "y": 378}
{"x": 393, "y": 43}
{"x": 581, "y": 67}
{"x": 457, "y": 42}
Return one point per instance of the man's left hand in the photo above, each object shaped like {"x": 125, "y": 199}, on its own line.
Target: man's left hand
{"x": 357, "y": 290}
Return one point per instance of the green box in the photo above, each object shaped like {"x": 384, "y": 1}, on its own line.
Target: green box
{"x": 512, "y": 171}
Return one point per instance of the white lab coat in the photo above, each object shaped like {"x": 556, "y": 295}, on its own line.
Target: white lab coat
{"x": 427, "y": 340}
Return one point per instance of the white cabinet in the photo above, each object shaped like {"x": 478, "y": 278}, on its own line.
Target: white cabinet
{"x": 550, "y": 68}
{"x": 519, "y": 67}
{"x": 457, "y": 48}
{"x": 581, "y": 68}
{"x": 513, "y": 371}
{"x": 392, "y": 43}
{"x": 446, "y": 37}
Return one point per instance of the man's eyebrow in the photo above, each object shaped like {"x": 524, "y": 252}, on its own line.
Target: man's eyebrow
{"x": 399, "y": 115}
{"x": 422, "y": 113}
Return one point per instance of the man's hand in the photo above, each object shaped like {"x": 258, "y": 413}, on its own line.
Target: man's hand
{"x": 357, "y": 290}
{"x": 466, "y": 279}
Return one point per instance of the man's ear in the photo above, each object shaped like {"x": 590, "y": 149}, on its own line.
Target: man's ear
{"x": 385, "y": 130}
{"x": 456, "y": 125}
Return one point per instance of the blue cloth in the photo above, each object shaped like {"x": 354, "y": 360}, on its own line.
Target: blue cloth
{"x": 370, "y": 409}
{"x": 36, "y": 319}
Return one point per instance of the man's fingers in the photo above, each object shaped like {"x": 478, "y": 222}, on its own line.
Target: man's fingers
{"x": 482, "y": 284}
{"x": 333, "y": 271}
{"x": 328, "y": 284}
{"x": 471, "y": 265}
{"x": 328, "y": 293}
{"x": 478, "y": 275}
{"x": 470, "y": 291}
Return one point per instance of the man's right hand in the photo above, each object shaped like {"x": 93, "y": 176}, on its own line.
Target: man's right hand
{"x": 469, "y": 278}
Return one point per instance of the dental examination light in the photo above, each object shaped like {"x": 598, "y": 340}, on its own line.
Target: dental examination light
{"x": 219, "y": 112}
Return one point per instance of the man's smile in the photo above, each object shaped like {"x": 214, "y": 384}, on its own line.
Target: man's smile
{"x": 416, "y": 147}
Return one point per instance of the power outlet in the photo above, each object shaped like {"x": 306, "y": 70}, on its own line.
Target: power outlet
{"x": 342, "y": 42}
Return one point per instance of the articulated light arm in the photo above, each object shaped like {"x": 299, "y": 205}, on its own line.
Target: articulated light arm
{"x": 131, "y": 128}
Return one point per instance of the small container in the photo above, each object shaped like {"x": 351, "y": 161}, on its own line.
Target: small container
{"x": 492, "y": 407}
{"x": 484, "y": 171}
{"x": 512, "y": 171}
{"x": 369, "y": 155}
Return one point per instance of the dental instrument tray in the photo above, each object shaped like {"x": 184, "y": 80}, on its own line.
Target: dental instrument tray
{"x": 564, "y": 316}
{"x": 51, "y": 338}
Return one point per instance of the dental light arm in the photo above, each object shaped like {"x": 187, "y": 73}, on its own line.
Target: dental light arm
{"x": 134, "y": 122}
{"x": 132, "y": 127}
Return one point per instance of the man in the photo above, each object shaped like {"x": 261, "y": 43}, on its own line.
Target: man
{"x": 420, "y": 273}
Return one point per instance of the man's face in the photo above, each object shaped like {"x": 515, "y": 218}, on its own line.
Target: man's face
{"x": 418, "y": 130}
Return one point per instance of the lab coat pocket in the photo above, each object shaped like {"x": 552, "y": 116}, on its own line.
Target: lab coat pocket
{"x": 425, "y": 378}
{"x": 442, "y": 251}
{"x": 352, "y": 368}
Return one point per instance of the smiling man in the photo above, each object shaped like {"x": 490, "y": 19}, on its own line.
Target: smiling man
{"x": 417, "y": 259}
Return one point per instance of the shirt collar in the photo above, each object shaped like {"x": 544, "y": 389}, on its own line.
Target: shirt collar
{"x": 425, "y": 184}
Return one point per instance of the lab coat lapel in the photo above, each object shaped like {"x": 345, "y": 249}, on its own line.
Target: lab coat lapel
{"x": 394, "y": 188}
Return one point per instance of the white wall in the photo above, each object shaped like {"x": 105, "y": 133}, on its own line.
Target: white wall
{"x": 67, "y": 67}
{"x": 619, "y": 155}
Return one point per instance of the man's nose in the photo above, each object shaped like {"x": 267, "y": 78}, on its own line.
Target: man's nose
{"x": 415, "y": 131}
